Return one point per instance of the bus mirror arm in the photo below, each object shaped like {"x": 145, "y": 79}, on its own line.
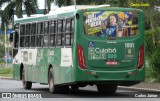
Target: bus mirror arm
{"x": 11, "y": 37}
{"x": 77, "y": 16}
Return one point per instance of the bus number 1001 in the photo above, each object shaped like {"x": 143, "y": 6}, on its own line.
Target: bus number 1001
{"x": 129, "y": 45}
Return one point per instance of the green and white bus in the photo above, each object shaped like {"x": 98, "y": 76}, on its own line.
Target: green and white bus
{"x": 102, "y": 46}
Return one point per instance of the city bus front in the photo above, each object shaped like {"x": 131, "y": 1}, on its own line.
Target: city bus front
{"x": 110, "y": 46}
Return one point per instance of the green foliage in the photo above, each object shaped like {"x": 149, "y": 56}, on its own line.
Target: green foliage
{"x": 149, "y": 74}
{"x": 2, "y": 48}
{"x": 2, "y": 52}
{"x": 151, "y": 47}
{"x": 6, "y": 70}
{"x": 154, "y": 59}
{"x": 47, "y": 6}
{"x": 153, "y": 56}
{"x": 6, "y": 15}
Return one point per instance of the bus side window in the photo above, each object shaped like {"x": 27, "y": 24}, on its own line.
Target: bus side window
{"x": 27, "y": 35}
{"x": 63, "y": 32}
{"x": 39, "y": 36}
{"x": 69, "y": 32}
{"x": 72, "y": 30}
{"x": 46, "y": 32}
{"x": 22, "y": 33}
{"x": 59, "y": 33}
{"x": 53, "y": 27}
{"x": 33, "y": 32}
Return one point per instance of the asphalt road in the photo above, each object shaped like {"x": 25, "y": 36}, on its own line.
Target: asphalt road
{"x": 90, "y": 92}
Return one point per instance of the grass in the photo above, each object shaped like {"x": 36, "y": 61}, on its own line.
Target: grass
{"x": 6, "y": 75}
{"x": 6, "y": 72}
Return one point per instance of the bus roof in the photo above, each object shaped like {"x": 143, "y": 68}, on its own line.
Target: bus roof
{"x": 58, "y": 11}
{"x": 74, "y": 7}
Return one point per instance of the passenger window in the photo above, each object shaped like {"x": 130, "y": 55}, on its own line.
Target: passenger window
{"x": 52, "y": 40}
{"x": 28, "y": 27}
{"x": 53, "y": 30}
{"x": 59, "y": 40}
{"x": 72, "y": 30}
{"x": 45, "y": 40}
{"x": 59, "y": 34}
{"x": 69, "y": 31}
{"x": 40, "y": 28}
{"x": 46, "y": 32}
{"x": 39, "y": 41}
{"x": 60, "y": 26}
{"x": 22, "y": 29}
{"x": 27, "y": 35}
{"x": 27, "y": 41}
{"x": 53, "y": 27}
{"x": 39, "y": 35}
{"x": 33, "y": 32}
{"x": 46, "y": 27}
{"x": 22, "y": 35}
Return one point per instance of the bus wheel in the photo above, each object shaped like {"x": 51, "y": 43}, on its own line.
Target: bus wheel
{"x": 52, "y": 88}
{"x": 26, "y": 84}
{"x": 106, "y": 89}
{"x": 56, "y": 88}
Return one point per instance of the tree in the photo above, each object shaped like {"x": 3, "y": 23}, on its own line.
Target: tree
{"x": 3, "y": 19}
{"x": 47, "y": 6}
{"x": 152, "y": 36}
{"x": 2, "y": 52}
{"x": 2, "y": 48}
{"x": 153, "y": 19}
{"x": 29, "y": 5}
{"x": 15, "y": 6}
{"x": 4, "y": 1}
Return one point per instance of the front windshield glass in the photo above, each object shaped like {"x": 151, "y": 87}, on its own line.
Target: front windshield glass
{"x": 111, "y": 23}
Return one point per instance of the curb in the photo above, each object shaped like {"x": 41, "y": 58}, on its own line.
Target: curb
{"x": 138, "y": 89}
{"x": 8, "y": 78}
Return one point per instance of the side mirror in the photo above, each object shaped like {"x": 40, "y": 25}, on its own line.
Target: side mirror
{"x": 11, "y": 37}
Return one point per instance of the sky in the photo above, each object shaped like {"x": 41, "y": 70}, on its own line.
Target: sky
{"x": 40, "y": 5}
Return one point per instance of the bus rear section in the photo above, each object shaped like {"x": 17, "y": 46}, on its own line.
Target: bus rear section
{"x": 110, "y": 50}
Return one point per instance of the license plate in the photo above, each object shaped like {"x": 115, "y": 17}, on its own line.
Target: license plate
{"x": 111, "y": 62}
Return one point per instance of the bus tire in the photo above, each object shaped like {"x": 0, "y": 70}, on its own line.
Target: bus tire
{"x": 56, "y": 88}
{"x": 52, "y": 87}
{"x": 26, "y": 84}
{"x": 106, "y": 89}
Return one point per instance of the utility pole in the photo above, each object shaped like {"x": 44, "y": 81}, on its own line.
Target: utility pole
{"x": 45, "y": 8}
{"x": 74, "y": 3}
{"x": 5, "y": 44}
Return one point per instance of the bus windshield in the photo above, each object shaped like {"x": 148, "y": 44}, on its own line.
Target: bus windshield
{"x": 111, "y": 23}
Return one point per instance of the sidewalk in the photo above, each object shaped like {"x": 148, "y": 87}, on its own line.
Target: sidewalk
{"x": 9, "y": 78}
{"x": 147, "y": 87}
